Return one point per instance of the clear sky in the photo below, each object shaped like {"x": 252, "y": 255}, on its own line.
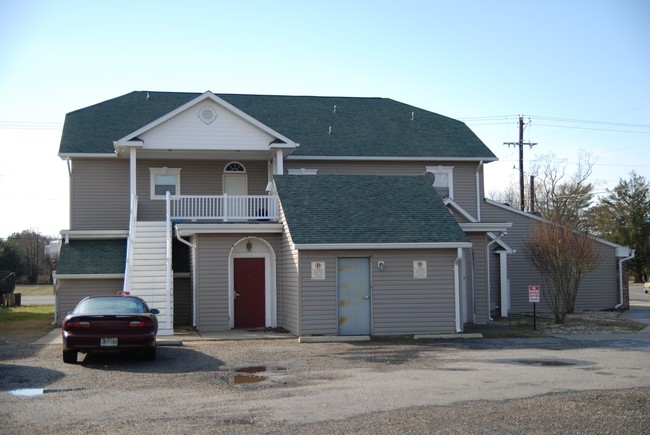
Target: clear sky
{"x": 578, "y": 69}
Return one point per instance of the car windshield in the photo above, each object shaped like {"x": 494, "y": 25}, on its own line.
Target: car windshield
{"x": 110, "y": 305}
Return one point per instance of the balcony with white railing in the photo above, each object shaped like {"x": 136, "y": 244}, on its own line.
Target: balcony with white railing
{"x": 223, "y": 208}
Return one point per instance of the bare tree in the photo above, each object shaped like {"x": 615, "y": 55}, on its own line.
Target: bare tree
{"x": 562, "y": 256}
{"x": 560, "y": 197}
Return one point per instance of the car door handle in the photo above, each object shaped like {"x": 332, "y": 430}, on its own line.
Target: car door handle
{"x": 366, "y": 297}
{"x": 236, "y": 295}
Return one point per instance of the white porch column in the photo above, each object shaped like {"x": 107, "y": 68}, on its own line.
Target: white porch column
{"x": 132, "y": 171}
{"x": 279, "y": 162}
{"x": 505, "y": 286}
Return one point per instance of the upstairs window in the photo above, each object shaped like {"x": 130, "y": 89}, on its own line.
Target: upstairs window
{"x": 165, "y": 180}
{"x": 443, "y": 180}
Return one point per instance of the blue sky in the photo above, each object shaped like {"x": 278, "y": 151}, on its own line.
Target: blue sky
{"x": 579, "y": 70}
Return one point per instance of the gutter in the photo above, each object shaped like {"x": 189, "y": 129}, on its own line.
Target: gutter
{"x": 193, "y": 247}
{"x": 620, "y": 279}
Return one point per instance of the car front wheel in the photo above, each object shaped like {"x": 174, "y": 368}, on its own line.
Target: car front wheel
{"x": 69, "y": 356}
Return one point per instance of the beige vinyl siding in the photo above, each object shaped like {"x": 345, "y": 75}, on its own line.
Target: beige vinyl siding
{"x": 198, "y": 177}
{"x": 182, "y": 301}
{"x": 70, "y": 291}
{"x": 402, "y": 304}
{"x": 464, "y": 174}
{"x": 288, "y": 303}
{"x": 99, "y": 194}
{"x": 212, "y": 265}
{"x": 598, "y": 290}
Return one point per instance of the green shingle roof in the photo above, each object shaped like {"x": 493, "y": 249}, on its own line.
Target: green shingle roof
{"x": 92, "y": 257}
{"x": 337, "y": 209}
{"x": 323, "y": 126}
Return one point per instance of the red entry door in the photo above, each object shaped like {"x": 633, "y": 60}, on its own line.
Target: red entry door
{"x": 249, "y": 292}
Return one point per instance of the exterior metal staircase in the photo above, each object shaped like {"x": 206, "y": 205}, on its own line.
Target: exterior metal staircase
{"x": 149, "y": 269}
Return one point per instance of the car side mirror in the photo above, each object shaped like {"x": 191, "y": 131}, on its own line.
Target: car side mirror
{"x": 155, "y": 311}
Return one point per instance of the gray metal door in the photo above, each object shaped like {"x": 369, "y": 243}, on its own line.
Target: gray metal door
{"x": 353, "y": 288}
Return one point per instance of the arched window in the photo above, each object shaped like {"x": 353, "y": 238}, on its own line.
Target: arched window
{"x": 235, "y": 167}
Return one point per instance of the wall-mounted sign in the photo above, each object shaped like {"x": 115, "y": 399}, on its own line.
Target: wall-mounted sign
{"x": 317, "y": 270}
{"x": 419, "y": 269}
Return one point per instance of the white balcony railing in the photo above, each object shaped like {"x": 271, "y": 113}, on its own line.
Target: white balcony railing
{"x": 225, "y": 208}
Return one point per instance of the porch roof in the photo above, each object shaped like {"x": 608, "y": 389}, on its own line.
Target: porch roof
{"x": 323, "y": 126}
{"x": 90, "y": 257}
{"x": 380, "y": 210}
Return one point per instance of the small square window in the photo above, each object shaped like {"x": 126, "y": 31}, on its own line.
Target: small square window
{"x": 443, "y": 180}
{"x": 165, "y": 180}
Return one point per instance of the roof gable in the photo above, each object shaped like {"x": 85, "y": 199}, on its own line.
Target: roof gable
{"x": 207, "y": 122}
{"x": 337, "y": 209}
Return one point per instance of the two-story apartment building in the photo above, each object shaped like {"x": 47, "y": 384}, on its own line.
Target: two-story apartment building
{"x": 319, "y": 215}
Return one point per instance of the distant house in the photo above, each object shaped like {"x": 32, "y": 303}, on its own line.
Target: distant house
{"x": 319, "y": 215}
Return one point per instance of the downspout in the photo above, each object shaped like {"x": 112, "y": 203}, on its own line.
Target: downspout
{"x": 193, "y": 247}
{"x": 620, "y": 279}
{"x": 459, "y": 257}
{"x": 489, "y": 285}
{"x": 478, "y": 191}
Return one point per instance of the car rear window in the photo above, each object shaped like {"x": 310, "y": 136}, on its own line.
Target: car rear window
{"x": 110, "y": 305}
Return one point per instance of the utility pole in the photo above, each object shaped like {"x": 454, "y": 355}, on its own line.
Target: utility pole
{"x": 521, "y": 144}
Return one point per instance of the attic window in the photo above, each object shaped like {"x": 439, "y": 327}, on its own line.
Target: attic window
{"x": 207, "y": 114}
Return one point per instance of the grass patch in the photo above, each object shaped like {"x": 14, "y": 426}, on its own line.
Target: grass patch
{"x": 27, "y": 319}
{"x": 35, "y": 290}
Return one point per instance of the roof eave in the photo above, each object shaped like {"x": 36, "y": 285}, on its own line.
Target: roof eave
{"x": 367, "y": 246}
{"x": 395, "y": 158}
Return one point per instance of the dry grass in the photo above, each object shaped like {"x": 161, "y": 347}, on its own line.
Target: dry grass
{"x": 588, "y": 322}
{"x": 35, "y": 290}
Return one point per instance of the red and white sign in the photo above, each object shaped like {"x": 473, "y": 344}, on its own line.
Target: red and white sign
{"x": 533, "y": 293}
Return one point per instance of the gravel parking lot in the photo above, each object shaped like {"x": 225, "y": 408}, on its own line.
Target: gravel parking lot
{"x": 577, "y": 383}
{"x": 510, "y": 386}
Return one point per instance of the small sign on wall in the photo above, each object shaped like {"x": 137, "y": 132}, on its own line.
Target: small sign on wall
{"x": 419, "y": 269}
{"x": 317, "y": 270}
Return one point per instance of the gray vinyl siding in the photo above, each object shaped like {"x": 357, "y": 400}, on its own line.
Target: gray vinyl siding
{"x": 318, "y": 300}
{"x": 479, "y": 279}
{"x": 198, "y": 177}
{"x": 212, "y": 263}
{"x": 464, "y": 174}
{"x": 288, "y": 303}
{"x": 598, "y": 290}
{"x": 400, "y": 304}
{"x": 99, "y": 194}
{"x": 70, "y": 291}
{"x": 182, "y": 301}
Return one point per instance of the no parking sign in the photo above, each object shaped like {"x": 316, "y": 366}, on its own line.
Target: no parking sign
{"x": 533, "y": 293}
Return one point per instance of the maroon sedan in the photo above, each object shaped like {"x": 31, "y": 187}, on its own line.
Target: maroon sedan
{"x": 110, "y": 323}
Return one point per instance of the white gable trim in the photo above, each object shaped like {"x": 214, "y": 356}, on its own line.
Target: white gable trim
{"x": 287, "y": 143}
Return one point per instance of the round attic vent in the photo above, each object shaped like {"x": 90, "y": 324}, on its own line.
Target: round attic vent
{"x": 207, "y": 114}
